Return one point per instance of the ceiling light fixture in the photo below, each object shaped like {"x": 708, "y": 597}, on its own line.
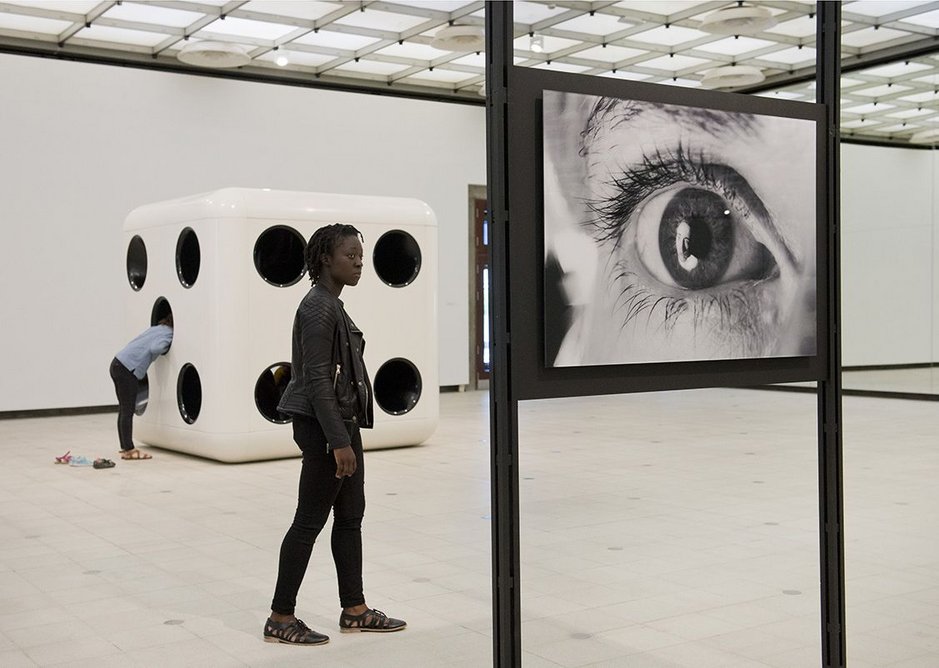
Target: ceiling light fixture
{"x": 741, "y": 20}
{"x": 732, "y": 76}
{"x": 281, "y": 59}
{"x": 537, "y": 43}
{"x": 214, "y": 54}
{"x": 459, "y": 38}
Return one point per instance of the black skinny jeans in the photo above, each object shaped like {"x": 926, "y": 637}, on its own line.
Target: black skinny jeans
{"x": 320, "y": 491}
{"x": 125, "y": 385}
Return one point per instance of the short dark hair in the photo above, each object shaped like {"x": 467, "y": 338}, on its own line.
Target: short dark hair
{"x": 323, "y": 242}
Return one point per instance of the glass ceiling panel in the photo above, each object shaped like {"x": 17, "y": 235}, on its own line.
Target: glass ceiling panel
{"x": 561, "y": 67}
{"x": 895, "y": 69}
{"x": 436, "y": 5}
{"x": 70, "y": 6}
{"x": 336, "y": 40}
{"x": 378, "y": 20}
{"x": 609, "y": 54}
{"x": 157, "y": 15}
{"x": 120, "y": 36}
{"x": 735, "y": 46}
{"x": 235, "y": 27}
{"x": 869, "y": 36}
{"x": 33, "y": 24}
{"x": 672, "y": 64}
{"x": 471, "y": 60}
{"x": 309, "y": 10}
{"x": 802, "y": 26}
{"x": 629, "y": 76}
{"x": 530, "y": 12}
{"x": 671, "y": 36}
{"x": 551, "y": 44}
{"x": 929, "y": 19}
{"x": 297, "y": 57}
{"x": 663, "y": 7}
{"x": 878, "y": 8}
{"x": 415, "y": 51}
{"x": 371, "y": 67}
{"x": 791, "y": 56}
{"x": 878, "y": 91}
{"x": 598, "y": 24}
{"x": 445, "y": 76}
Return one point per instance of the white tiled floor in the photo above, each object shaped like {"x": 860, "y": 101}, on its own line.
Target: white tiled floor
{"x": 664, "y": 530}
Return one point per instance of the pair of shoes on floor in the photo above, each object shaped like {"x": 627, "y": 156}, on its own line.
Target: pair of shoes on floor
{"x": 103, "y": 464}
{"x": 80, "y": 460}
{"x": 373, "y": 621}
{"x": 292, "y": 633}
{"x": 64, "y": 459}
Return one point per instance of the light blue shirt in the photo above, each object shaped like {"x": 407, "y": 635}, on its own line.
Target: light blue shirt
{"x": 139, "y": 354}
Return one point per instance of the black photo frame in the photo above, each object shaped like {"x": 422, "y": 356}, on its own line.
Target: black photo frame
{"x": 532, "y": 377}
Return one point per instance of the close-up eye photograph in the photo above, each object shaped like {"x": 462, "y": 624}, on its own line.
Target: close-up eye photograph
{"x": 676, "y": 233}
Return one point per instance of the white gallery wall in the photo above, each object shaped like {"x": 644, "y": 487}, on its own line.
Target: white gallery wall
{"x": 83, "y": 144}
{"x": 889, "y": 255}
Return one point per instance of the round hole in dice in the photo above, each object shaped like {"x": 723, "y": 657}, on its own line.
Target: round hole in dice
{"x": 397, "y": 386}
{"x": 397, "y": 258}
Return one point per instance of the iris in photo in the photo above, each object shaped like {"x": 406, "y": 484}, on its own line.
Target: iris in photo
{"x": 676, "y": 233}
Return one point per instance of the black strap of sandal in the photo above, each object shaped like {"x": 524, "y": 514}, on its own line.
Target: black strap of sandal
{"x": 293, "y": 632}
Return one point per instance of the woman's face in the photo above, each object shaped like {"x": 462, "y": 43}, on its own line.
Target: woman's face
{"x": 345, "y": 263}
{"x": 704, "y": 228}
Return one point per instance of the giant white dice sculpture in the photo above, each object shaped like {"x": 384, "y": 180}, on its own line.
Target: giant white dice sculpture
{"x": 229, "y": 266}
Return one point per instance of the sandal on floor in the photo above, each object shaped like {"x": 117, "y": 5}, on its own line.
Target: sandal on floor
{"x": 64, "y": 459}
{"x": 371, "y": 620}
{"x": 79, "y": 461}
{"x": 103, "y": 464}
{"x": 292, "y": 633}
{"x": 135, "y": 454}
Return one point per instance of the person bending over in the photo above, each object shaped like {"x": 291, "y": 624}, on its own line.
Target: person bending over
{"x": 128, "y": 368}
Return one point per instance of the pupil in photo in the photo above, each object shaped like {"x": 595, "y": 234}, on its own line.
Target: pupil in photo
{"x": 696, "y": 238}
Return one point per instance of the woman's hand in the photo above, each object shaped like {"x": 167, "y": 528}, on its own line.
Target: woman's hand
{"x": 345, "y": 461}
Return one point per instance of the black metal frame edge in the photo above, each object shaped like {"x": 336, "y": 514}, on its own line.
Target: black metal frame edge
{"x": 503, "y": 404}
{"x": 830, "y": 463}
{"x": 57, "y": 412}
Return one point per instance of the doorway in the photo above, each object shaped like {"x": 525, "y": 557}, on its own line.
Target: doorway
{"x": 480, "y": 359}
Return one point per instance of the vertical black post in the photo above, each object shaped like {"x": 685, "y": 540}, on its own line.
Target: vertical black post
{"x": 830, "y": 473}
{"x": 503, "y": 407}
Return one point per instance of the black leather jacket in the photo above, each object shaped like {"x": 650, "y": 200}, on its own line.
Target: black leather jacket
{"x": 328, "y": 381}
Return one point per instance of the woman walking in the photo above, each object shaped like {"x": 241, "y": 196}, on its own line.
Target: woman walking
{"x": 329, "y": 398}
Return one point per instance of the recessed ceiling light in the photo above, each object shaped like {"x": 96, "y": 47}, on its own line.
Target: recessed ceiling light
{"x": 732, "y": 76}
{"x": 214, "y": 54}
{"x": 459, "y": 38}
{"x": 742, "y": 20}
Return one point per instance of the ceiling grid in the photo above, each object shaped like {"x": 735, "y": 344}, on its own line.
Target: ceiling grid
{"x": 388, "y": 44}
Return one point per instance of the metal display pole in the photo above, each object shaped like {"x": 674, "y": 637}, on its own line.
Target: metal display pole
{"x": 503, "y": 405}
{"x": 830, "y": 473}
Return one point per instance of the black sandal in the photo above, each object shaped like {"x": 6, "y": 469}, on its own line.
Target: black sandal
{"x": 292, "y": 633}
{"x": 371, "y": 620}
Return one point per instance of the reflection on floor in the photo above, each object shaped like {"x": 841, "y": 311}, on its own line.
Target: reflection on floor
{"x": 664, "y": 530}
{"x": 923, "y": 380}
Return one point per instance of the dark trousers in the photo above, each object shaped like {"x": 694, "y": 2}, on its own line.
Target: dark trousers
{"x": 125, "y": 385}
{"x": 321, "y": 491}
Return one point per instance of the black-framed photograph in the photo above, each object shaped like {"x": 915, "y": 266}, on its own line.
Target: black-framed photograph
{"x": 676, "y": 233}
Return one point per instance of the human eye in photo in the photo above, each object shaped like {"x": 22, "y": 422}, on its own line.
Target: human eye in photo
{"x": 693, "y": 262}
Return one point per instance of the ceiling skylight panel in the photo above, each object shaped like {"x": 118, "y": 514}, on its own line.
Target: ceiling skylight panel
{"x": 803, "y": 26}
{"x": 235, "y": 27}
{"x": 335, "y": 40}
{"x": 663, "y": 7}
{"x": 869, "y": 36}
{"x": 436, "y": 5}
{"x": 444, "y": 76}
{"x": 532, "y": 12}
{"x": 69, "y": 6}
{"x": 896, "y": 69}
{"x": 555, "y": 66}
{"x": 859, "y": 123}
{"x": 671, "y": 36}
{"x": 879, "y": 8}
{"x": 868, "y": 108}
{"x": 880, "y": 91}
{"x": 791, "y": 56}
{"x": 609, "y": 54}
{"x": 174, "y": 18}
{"x": 378, "y": 20}
{"x": 598, "y": 24}
{"x": 375, "y": 68}
{"x": 684, "y": 83}
{"x": 927, "y": 96}
{"x": 120, "y": 36}
{"x": 782, "y": 94}
{"x": 929, "y": 19}
{"x": 910, "y": 113}
{"x": 902, "y": 127}
{"x": 33, "y": 24}
{"x": 672, "y": 64}
{"x": 628, "y": 76}
{"x": 735, "y": 46}
{"x": 471, "y": 60}
{"x": 309, "y": 10}
{"x": 414, "y": 51}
